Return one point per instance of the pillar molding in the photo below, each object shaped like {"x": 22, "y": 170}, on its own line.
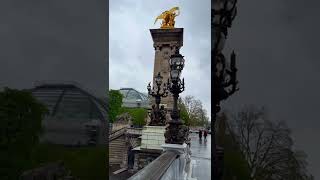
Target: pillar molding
{"x": 165, "y": 42}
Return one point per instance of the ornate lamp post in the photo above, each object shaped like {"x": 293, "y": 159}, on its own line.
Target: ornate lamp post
{"x": 224, "y": 78}
{"x": 176, "y": 132}
{"x": 157, "y": 118}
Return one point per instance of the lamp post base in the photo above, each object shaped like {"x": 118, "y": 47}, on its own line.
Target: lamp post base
{"x": 176, "y": 133}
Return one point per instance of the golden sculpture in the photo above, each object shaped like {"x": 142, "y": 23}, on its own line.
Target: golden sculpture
{"x": 168, "y": 18}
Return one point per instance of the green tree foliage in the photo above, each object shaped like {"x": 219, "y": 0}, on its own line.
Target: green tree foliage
{"x": 197, "y": 115}
{"x": 183, "y": 112}
{"x": 114, "y": 103}
{"x": 20, "y": 118}
{"x": 138, "y": 115}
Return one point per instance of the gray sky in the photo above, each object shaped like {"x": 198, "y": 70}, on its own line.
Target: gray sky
{"x": 54, "y": 40}
{"x": 277, "y": 45}
{"x": 131, "y": 52}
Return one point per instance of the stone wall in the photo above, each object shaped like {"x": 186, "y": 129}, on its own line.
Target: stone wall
{"x": 117, "y": 150}
{"x": 143, "y": 158}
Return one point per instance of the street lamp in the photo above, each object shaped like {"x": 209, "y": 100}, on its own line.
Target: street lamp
{"x": 176, "y": 132}
{"x": 224, "y": 78}
{"x": 224, "y": 12}
{"x": 157, "y": 117}
{"x": 176, "y": 86}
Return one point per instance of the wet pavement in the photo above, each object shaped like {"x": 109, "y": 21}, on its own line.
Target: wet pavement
{"x": 201, "y": 157}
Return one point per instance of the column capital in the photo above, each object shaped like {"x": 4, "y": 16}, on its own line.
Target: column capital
{"x": 157, "y": 46}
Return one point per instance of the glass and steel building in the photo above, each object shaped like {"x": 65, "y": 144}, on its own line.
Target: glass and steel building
{"x": 75, "y": 116}
{"x": 133, "y": 98}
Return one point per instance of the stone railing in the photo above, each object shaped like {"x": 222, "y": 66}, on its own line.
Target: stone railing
{"x": 174, "y": 163}
{"x": 157, "y": 168}
{"x": 115, "y": 127}
{"x": 134, "y": 131}
{"x": 119, "y": 132}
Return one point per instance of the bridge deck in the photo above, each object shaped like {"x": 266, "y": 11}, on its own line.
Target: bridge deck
{"x": 201, "y": 157}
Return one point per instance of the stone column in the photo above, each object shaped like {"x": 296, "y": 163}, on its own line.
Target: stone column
{"x": 136, "y": 162}
{"x": 165, "y": 42}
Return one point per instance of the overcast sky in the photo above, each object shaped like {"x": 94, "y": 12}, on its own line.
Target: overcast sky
{"x": 276, "y": 42}
{"x": 277, "y": 46}
{"x": 131, "y": 52}
{"x": 54, "y": 41}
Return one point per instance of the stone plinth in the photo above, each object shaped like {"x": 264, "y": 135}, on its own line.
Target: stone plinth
{"x": 152, "y": 137}
{"x": 165, "y": 43}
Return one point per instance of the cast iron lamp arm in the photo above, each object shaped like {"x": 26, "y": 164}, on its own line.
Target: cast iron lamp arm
{"x": 181, "y": 86}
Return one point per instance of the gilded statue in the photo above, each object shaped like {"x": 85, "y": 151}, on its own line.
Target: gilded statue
{"x": 168, "y": 18}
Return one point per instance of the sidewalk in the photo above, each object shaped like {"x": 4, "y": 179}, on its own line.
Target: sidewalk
{"x": 201, "y": 157}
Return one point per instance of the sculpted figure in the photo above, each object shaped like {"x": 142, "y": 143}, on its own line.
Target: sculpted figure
{"x": 162, "y": 115}
{"x": 168, "y": 18}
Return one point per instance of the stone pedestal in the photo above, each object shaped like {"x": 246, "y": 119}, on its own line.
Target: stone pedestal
{"x": 165, "y": 43}
{"x": 151, "y": 140}
{"x": 152, "y": 137}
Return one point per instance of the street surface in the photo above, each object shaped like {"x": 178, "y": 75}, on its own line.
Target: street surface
{"x": 200, "y": 157}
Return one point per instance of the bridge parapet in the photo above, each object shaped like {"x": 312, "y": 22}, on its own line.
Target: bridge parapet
{"x": 117, "y": 133}
{"x": 134, "y": 131}
{"x": 174, "y": 163}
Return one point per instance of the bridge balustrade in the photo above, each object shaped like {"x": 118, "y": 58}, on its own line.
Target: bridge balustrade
{"x": 173, "y": 163}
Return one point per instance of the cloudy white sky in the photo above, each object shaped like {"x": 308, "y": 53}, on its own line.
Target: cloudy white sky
{"x": 55, "y": 41}
{"x": 277, "y": 46}
{"x": 131, "y": 52}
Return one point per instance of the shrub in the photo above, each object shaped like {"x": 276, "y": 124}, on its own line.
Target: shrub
{"x": 85, "y": 163}
{"x": 20, "y": 117}
{"x": 114, "y": 104}
{"x": 138, "y": 115}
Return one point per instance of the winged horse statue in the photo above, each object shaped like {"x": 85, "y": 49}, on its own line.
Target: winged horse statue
{"x": 168, "y": 18}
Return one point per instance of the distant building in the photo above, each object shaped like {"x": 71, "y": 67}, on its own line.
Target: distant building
{"x": 75, "y": 117}
{"x": 133, "y": 98}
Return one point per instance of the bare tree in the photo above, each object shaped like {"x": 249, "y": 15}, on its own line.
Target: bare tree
{"x": 266, "y": 145}
{"x": 187, "y": 101}
{"x": 196, "y": 112}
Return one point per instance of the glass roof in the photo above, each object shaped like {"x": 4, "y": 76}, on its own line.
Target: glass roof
{"x": 70, "y": 101}
{"x": 132, "y": 94}
{"x": 73, "y": 113}
{"x": 133, "y": 98}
